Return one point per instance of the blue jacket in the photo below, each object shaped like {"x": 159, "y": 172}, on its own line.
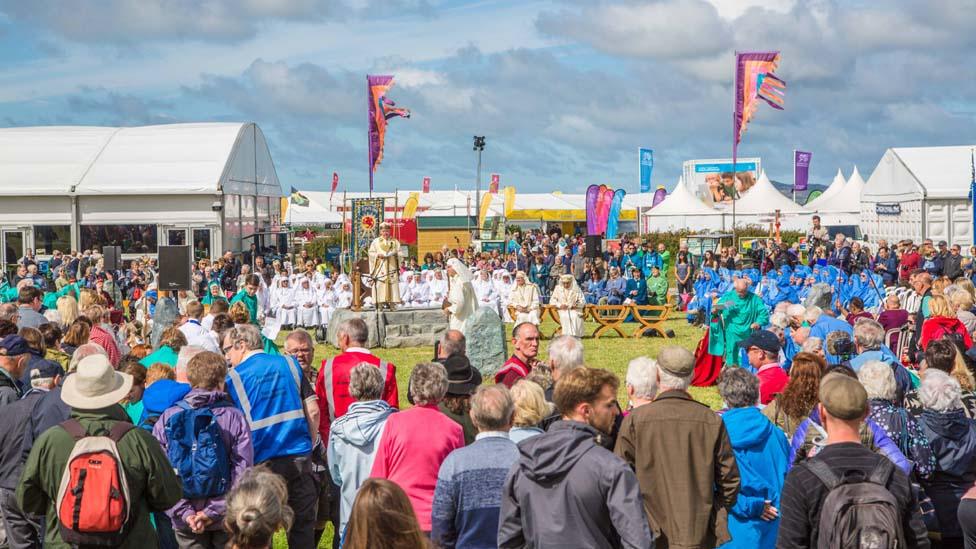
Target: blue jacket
{"x": 352, "y": 444}
{"x": 825, "y": 325}
{"x": 761, "y": 452}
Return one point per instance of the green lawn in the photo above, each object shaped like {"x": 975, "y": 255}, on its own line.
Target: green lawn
{"x": 610, "y": 352}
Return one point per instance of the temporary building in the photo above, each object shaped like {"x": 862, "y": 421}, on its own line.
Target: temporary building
{"x": 681, "y": 209}
{"x": 312, "y": 214}
{"x": 919, "y": 193}
{"x": 758, "y": 206}
{"x": 835, "y": 187}
{"x": 844, "y": 207}
{"x": 212, "y": 185}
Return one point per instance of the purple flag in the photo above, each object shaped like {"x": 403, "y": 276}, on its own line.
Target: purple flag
{"x": 659, "y": 195}
{"x": 592, "y": 193}
{"x": 801, "y": 170}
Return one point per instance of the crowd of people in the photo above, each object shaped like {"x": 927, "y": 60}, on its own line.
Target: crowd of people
{"x": 848, "y": 413}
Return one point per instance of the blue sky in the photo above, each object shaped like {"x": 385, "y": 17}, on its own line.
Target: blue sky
{"x": 565, "y": 91}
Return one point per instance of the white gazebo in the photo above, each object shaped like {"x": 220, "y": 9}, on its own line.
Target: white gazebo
{"x": 681, "y": 209}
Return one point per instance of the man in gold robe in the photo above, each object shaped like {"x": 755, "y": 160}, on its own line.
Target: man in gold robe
{"x": 384, "y": 267}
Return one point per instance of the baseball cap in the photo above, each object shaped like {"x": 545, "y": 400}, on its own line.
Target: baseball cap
{"x": 14, "y": 345}
{"x": 676, "y": 361}
{"x": 844, "y": 397}
{"x": 943, "y": 243}
{"x": 45, "y": 369}
{"x": 764, "y": 339}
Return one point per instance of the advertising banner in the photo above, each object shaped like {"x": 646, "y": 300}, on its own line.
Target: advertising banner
{"x": 713, "y": 181}
{"x": 645, "y": 159}
{"x": 801, "y": 170}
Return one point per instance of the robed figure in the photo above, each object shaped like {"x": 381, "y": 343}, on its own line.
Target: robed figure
{"x": 734, "y": 317}
{"x": 384, "y": 268}
{"x": 461, "y": 299}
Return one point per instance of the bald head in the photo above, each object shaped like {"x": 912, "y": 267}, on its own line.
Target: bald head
{"x": 741, "y": 286}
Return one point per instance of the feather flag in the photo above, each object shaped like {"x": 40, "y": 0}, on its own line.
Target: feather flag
{"x": 426, "y": 184}
{"x": 604, "y": 214}
{"x": 615, "y": 206}
{"x": 592, "y": 194}
{"x": 754, "y": 80}
{"x": 493, "y": 187}
{"x": 485, "y": 204}
{"x": 601, "y": 197}
{"x": 410, "y": 206}
{"x": 381, "y": 109}
{"x": 297, "y": 198}
{"x": 335, "y": 184}
{"x": 509, "y": 200}
{"x": 659, "y": 195}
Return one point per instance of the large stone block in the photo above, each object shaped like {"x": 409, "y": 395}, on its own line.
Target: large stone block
{"x": 487, "y": 347}
{"x": 404, "y": 328}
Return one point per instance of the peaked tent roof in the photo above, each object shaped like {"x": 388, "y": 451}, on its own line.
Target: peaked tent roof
{"x": 313, "y": 214}
{"x": 166, "y": 159}
{"x": 835, "y": 187}
{"x": 934, "y": 172}
{"x": 848, "y": 199}
{"x": 681, "y": 201}
{"x": 764, "y": 199}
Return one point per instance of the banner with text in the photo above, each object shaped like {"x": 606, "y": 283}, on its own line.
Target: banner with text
{"x": 714, "y": 182}
{"x": 645, "y": 159}
{"x": 801, "y": 170}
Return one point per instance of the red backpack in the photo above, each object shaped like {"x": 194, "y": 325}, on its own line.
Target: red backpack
{"x": 93, "y": 498}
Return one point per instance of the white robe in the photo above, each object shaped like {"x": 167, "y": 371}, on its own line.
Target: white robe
{"x": 343, "y": 299}
{"x": 283, "y": 305}
{"x": 504, "y": 294}
{"x": 306, "y": 306}
{"x": 463, "y": 304}
{"x": 438, "y": 292}
{"x": 418, "y": 294}
{"x": 484, "y": 290}
{"x": 327, "y": 303}
{"x": 384, "y": 260}
{"x": 526, "y": 296}
{"x": 571, "y": 319}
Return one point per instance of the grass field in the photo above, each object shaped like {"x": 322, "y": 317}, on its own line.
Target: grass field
{"x": 610, "y": 352}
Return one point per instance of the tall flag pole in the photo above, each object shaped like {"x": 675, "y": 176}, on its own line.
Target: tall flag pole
{"x": 380, "y": 110}
{"x": 972, "y": 188}
{"x": 754, "y": 80}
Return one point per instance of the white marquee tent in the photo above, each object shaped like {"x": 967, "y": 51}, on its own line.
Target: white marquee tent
{"x": 835, "y": 187}
{"x": 759, "y": 204}
{"x": 918, "y": 193}
{"x": 682, "y": 210}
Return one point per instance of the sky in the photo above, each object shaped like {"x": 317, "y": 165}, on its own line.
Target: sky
{"x": 565, "y": 91}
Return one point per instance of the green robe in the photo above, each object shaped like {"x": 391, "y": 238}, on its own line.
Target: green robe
{"x": 164, "y": 354}
{"x": 657, "y": 290}
{"x": 738, "y": 320}
{"x": 252, "y": 304}
{"x": 665, "y": 263}
{"x": 8, "y": 293}
{"x": 50, "y": 299}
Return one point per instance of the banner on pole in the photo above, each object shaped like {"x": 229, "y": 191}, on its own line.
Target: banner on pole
{"x": 493, "y": 187}
{"x": 367, "y": 214}
{"x": 801, "y": 170}
{"x": 426, "y": 184}
{"x": 645, "y": 159}
{"x": 335, "y": 184}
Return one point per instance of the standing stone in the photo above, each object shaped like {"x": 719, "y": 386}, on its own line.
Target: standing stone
{"x": 486, "y": 341}
{"x": 819, "y": 296}
{"x": 166, "y": 315}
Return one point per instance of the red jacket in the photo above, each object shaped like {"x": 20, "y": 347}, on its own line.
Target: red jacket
{"x": 512, "y": 371}
{"x": 909, "y": 262}
{"x": 938, "y": 326}
{"x": 332, "y": 385}
{"x": 772, "y": 380}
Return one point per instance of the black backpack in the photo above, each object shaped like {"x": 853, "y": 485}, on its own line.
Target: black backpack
{"x": 859, "y": 511}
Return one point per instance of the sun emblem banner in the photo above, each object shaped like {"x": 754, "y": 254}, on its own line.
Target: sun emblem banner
{"x": 367, "y": 214}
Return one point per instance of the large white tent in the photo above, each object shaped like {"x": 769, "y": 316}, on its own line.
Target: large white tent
{"x": 211, "y": 185}
{"x": 920, "y": 192}
{"x": 759, "y": 204}
{"x": 835, "y": 187}
{"x": 314, "y": 214}
{"x": 848, "y": 199}
{"x": 681, "y": 209}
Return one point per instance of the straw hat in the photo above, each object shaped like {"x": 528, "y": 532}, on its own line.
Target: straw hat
{"x": 95, "y": 384}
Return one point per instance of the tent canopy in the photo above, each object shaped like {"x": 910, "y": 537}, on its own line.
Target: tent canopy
{"x": 681, "y": 201}
{"x": 835, "y": 187}
{"x": 764, "y": 199}
{"x": 848, "y": 199}
{"x": 168, "y": 159}
{"x": 313, "y": 214}
{"x": 908, "y": 173}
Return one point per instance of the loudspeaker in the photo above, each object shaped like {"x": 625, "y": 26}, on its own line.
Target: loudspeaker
{"x": 113, "y": 257}
{"x": 175, "y": 263}
{"x": 594, "y": 246}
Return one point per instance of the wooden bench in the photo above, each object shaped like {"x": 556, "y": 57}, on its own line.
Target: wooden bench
{"x": 544, "y": 311}
{"x": 651, "y": 319}
{"x": 609, "y": 317}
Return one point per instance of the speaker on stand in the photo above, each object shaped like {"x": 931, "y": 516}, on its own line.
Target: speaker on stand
{"x": 594, "y": 246}
{"x": 113, "y": 257}
{"x": 175, "y": 267}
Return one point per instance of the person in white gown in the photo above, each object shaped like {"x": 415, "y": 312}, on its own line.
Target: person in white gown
{"x": 525, "y": 299}
{"x": 569, "y": 301}
{"x": 283, "y": 303}
{"x": 438, "y": 288}
{"x": 461, "y": 300}
{"x": 327, "y": 301}
{"x": 418, "y": 291}
{"x": 344, "y": 294}
{"x": 484, "y": 290}
{"x": 504, "y": 287}
{"x": 306, "y": 303}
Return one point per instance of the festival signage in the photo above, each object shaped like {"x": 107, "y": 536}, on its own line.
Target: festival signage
{"x": 887, "y": 209}
{"x": 645, "y": 161}
{"x": 367, "y": 214}
{"x": 801, "y": 170}
{"x": 713, "y": 181}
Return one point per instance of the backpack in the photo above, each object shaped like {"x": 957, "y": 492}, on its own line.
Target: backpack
{"x": 93, "y": 503}
{"x": 858, "y": 511}
{"x": 197, "y": 451}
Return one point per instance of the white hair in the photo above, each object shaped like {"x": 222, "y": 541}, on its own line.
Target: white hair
{"x": 878, "y": 379}
{"x": 642, "y": 376}
{"x": 813, "y": 314}
{"x": 668, "y": 381}
{"x": 796, "y": 310}
{"x": 779, "y": 320}
{"x": 812, "y": 345}
{"x": 566, "y": 353}
{"x": 939, "y": 391}
{"x": 183, "y": 359}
